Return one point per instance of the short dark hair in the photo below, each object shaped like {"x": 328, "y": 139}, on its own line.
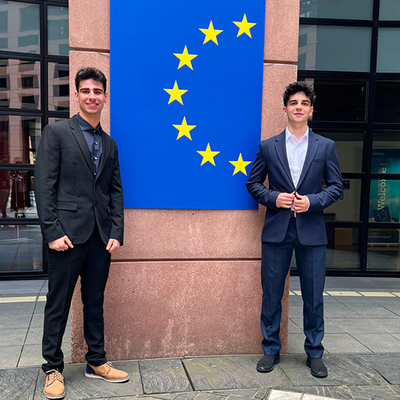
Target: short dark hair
{"x": 90, "y": 73}
{"x": 298, "y": 87}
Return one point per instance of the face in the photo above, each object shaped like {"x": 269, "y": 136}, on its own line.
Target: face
{"x": 91, "y": 97}
{"x": 298, "y": 109}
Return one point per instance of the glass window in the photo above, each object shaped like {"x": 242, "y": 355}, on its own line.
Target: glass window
{"x": 342, "y": 251}
{"x": 387, "y": 140}
{"x": 57, "y": 22}
{"x": 389, "y": 10}
{"x": 14, "y": 76}
{"x": 387, "y": 102}
{"x": 20, "y": 25}
{"x": 54, "y": 119}
{"x": 20, "y": 248}
{"x": 17, "y": 199}
{"x": 349, "y": 148}
{"x": 334, "y": 48}
{"x": 388, "y": 58}
{"x": 347, "y": 208}
{"x": 58, "y": 87}
{"x": 19, "y": 139}
{"x": 339, "y": 100}
{"x": 342, "y": 9}
{"x": 384, "y": 200}
{"x": 383, "y": 250}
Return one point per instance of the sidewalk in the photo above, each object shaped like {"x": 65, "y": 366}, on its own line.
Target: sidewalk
{"x": 362, "y": 345}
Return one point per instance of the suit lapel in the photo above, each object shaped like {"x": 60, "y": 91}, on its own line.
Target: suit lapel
{"x": 78, "y": 135}
{"x": 311, "y": 151}
{"x": 280, "y": 147}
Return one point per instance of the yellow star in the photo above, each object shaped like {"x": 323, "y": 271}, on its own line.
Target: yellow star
{"x": 184, "y": 129}
{"x": 208, "y": 155}
{"x": 185, "y": 58}
{"x": 240, "y": 165}
{"x": 244, "y": 26}
{"x": 211, "y": 34}
{"x": 175, "y": 93}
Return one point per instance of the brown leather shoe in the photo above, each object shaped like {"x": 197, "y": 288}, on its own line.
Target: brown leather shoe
{"x": 106, "y": 372}
{"x": 54, "y": 385}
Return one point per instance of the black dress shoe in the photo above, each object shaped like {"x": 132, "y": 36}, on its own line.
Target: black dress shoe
{"x": 318, "y": 368}
{"x": 266, "y": 364}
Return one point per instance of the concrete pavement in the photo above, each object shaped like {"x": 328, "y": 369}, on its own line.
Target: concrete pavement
{"x": 362, "y": 343}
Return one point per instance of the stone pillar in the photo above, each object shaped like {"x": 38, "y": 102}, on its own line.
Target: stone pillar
{"x": 186, "y": 282}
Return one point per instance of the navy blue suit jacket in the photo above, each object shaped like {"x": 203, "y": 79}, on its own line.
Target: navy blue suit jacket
{"x": 321, "y": 167}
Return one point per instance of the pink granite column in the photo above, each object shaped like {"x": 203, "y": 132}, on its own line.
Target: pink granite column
{"x": 186, "y": 282}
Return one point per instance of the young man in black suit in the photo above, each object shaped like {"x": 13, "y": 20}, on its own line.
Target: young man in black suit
{"x": 79, "y": 200}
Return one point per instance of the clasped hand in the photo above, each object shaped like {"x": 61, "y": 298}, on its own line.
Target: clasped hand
{"x": 288, "y": 200}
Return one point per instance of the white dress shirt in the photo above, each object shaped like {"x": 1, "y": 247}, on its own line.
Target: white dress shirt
{"x": 296, "y": 154}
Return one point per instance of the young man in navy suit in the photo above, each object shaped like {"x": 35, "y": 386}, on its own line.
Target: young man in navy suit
{"x": 79, "y": 201}
{"x": 303, "y": 179}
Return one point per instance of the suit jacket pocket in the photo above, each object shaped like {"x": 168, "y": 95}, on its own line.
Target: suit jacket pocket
{"x": 66, "y": 205}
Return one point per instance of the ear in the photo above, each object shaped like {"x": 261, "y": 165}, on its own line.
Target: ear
{"x": 284, "y": 110}
{"x": 76, "y": 97}
{"x": 105, "y": 97}
{"x": 311, "y": 111}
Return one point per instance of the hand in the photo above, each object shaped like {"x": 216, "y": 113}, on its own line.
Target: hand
{"x": 112, "y": 245}
{"x": 285, "y": 200}
{"x": 301, "y": 203}
{"x": 61, "y": 244}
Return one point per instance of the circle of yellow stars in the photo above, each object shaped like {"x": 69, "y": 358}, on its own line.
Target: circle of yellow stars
{"x": 175, "y": 94}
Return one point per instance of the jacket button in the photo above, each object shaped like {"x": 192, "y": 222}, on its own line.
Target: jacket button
{"x": 95, "y": 203}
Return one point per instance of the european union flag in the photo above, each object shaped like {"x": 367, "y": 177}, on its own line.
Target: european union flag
{"x": 186, "y": 80}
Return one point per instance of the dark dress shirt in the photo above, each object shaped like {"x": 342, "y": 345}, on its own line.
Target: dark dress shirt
{"x": 93, "y": 139}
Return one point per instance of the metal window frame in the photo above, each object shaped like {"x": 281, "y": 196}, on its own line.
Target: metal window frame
{"x": 44, "y": 58}
{"x": 368, "y": 126}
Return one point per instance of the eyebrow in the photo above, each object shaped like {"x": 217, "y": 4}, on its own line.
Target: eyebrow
{"x": 302, "y": 101}
{"x": 101, "y": 90}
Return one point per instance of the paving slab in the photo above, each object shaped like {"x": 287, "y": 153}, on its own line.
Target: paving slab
{"x": 231, "y": 373}
{"x": 357, "y": 301}
{"x": 284, "y": 395}
{"x": 174, "y": 396}
{"x": 296, "y": 343}
{"x": 21, "y": 287}
{"x": 339, "y": 368}
{"x": 388, "y": 325}
{"x": 12, "y": 337}
{"x": 343, "y": 343}
{"x": 15, "y": 320}
{"x": 357, "y": 325}
{"x": 32, "y": 355}
{"x": 379, "y": 343}
{"x": 164, "y": 375}
{"x": 339, "y": 311}
{"x": 78, "y": 387}
{"x": 10, "y": 356}
{"x": 18, "y": 384}
{"x": 17, "y": 308}
{"x": 374, "y": 392}
{"x": 387, "y": 365}
{"x": 374, "y": 312}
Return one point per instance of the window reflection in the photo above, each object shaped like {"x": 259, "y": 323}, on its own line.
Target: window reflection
{"x": 19, "y": 27}
{"x": 383, "y": 250}
{"x": 384, "y": 202}
{"x": 19, "y": 139}
{"x": 334, "y": 48}
{"x": 57, "y": 23}
{"x": 20, "y": 84}
{"x": 17, "y": 199}
{"x": 346, "y": 9}
{"x": 386, "y": 140}
{"x": 342, "y": 251}
{"x": 58, "y": 87}
{"x": 20, "y": 248}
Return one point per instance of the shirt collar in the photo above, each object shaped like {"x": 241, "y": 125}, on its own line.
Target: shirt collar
{"x": 290, "y": 136}
{"x": 85, "y": 126}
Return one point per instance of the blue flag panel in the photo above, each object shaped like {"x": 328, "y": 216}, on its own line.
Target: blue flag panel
{"x": 186, "y": 79}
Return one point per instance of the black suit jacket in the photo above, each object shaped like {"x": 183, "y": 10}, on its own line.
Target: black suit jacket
{"x": 70, "y": 197}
